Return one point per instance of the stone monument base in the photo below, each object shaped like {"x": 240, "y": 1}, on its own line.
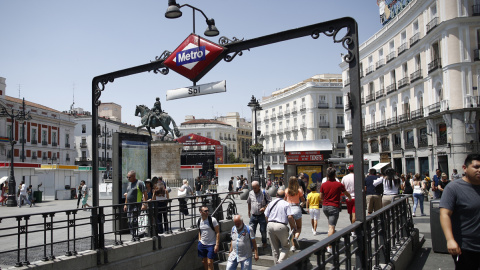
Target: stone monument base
{"x": 166, "y": 159}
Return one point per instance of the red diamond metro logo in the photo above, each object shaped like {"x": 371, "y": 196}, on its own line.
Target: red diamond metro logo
{"x": 192, "y": 58}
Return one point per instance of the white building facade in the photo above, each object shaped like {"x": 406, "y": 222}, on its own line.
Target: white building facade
{"x": 419, "y": 82}
{"x": 309, "y": 110}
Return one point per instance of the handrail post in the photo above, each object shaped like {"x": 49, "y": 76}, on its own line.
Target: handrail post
{"x": 94, "y": 222}
{"x": 101, "y": 228}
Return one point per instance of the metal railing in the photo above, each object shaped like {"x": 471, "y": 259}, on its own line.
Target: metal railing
{"x": 414, "y": 39}
{"x": 432, "y": 24}
{"x": 45, "y": 236}
{"x": 391, "y": 88}
{"x": 434, "y": 65}
{"x": 377, "y": 242}
{"x": 391, "y": 56}
{"x": 380, "y": 63}
{"x": 402, "y": 48}
{"x": 416, "y": 75}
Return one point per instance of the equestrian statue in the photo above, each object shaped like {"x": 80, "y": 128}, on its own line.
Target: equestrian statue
{"x": 155, "y": 117}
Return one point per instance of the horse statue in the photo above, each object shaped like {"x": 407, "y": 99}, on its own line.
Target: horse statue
{"x": 151, "y": 120}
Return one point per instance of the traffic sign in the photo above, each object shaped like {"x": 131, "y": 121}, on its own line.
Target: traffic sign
{"x": 197, "y": 90}
{"x": 194, "y": 57}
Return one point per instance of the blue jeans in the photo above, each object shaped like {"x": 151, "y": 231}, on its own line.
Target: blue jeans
{"x": 245, "y": 265}
{"x": 416, "y": 198}
{"x": 260, "y": 219}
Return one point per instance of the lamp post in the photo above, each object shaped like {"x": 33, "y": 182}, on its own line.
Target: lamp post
{"x": 262, "y": 139}
{"x": 20, "y": 115}
{"x": 173, "y": 12}
{"x": 255, "y": 106}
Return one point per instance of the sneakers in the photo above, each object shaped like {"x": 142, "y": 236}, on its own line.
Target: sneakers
{"x": 413, "y": 214}
{"x": 314, "y": 232}
{"x": 292, "y": 249}
{"x": 295, "y": 243}
{"x": 329, "y": 250}
{"x": 423, "y": 215}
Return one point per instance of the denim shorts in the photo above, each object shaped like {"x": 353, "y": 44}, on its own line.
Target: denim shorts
{"x": 296, "y": 210}
{"x": 332, "y": 213}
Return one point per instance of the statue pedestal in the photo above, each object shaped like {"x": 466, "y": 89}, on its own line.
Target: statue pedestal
{"x": 166, "y": 159}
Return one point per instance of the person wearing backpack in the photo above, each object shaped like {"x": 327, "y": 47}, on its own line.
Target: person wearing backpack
{"x": 208, "y": 237}
{"x": 243, "y": 243}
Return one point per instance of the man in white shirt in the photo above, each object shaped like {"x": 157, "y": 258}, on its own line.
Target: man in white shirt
{"x": 208, "y": 238}
{"x": 23, "y": 195}
{"x": 349, "y": 183}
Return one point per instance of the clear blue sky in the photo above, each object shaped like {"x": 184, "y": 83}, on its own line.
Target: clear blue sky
{"x": 51, "y": 50}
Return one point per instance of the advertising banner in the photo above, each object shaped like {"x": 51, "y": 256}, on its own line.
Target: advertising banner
{"x": 314, "y": 174}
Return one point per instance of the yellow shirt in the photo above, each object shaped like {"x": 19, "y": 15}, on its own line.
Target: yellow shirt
{"x": 313, "y": 199}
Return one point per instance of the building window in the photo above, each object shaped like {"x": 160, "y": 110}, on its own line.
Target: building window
{"x": 44, "y": 137}
{"x": 84, "y": 128}
{"x": 339, "y": 100}
{"x": 340, "y": 119}
{"x": 54, "y": 138}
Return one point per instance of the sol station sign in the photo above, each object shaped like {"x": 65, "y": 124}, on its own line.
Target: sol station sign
{"x": 194, "y": 57}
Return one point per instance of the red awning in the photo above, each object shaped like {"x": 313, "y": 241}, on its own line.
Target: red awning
{"x": 196, "y": 140}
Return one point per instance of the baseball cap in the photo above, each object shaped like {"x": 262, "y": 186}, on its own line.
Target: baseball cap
{"x": 350, "y": 168}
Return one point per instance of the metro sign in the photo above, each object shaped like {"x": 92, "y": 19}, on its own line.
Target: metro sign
{"x": 194, "y": 57}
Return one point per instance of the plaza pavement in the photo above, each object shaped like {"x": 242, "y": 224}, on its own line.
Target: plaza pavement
{"x": 425, "y": 257}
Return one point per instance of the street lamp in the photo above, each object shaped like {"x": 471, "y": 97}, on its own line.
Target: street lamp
{"x": 255, "y": 106}
{"x": 262, "y": 139}
{"x": 21, "y": 116}
{"x": 105, "y": 133}
{"x": 173, "y": 12}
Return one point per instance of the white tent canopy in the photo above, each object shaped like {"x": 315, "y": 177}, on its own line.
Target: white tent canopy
{"x": 313, "y": 145}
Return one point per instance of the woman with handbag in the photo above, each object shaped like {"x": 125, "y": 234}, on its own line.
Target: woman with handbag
{"x": 185, "y": 190}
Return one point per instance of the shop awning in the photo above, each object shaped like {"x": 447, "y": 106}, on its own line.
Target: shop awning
{"x": 380, "y": 166}
{"x": 313, "y": 145}
{"x": 196, "y": 140}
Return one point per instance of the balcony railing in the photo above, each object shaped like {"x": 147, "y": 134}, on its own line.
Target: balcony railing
{"x": 402, "y": 48}
{"x": 397, "y": 147}
{"x": 380, "y": 93}
{"x": 67, "y": 145}
{"x": 423, "y": 143}
{"x": 340, "y": 125}
{"x": 472, "y": 101}
{"x": 370, "y": 97}
{"x": 44, "y": 158}
{"x": 435, "y": 64}
{"x": 391, "y": 121}
{"x": 322, "y": 105}
{"x": 402, "y": 82}
{"x": 287, "y": 112}
{"x": 380, "y": 124}
{"x": 83, "y": 145}
{"x": 280, "y": 115}
{"x": 476, "y": 56}
{"x": 303, "y": 107}
{"x": 54, "y": 144}
{"x": 347, "y": 81}
{"x": 442, "y": 140}
{"x": 391, "y": 88}
{"x": 434, "y": 108}
{"x": 294, "y": 110}
{"x": 416, "y": 75}
{"x": 432, "y": 24}
{"x": 303, "y": 126}
{"x": 414, "y": 39}
{"x": 34, "y": 157}
{"x": 362, "y": 100}
{"x": 476, "y": 10}
{"x": 390, "y": 56}
{"x": 274, "y": 115}
{"x": 380, "y": 63}
{"x": 83, "y": 158}
{"x": 370, "y": 127}
{"x": 370, "y": 69}
{"x": 110, "y": 159}
{"x": 22, "y": 141}
{"x": 338, "y": 105}
{"x": 409, "y": 145}
{"x": 323, "y": 124}
{"x": 33, "y": 141}
{"x": 417, "y": 114}
{"x": 67, "y": 159}
{"x": 404, "y": 117}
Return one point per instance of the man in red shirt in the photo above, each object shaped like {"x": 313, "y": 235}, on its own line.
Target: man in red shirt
{"x": 330, "y": 193}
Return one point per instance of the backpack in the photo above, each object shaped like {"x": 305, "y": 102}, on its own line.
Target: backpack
{"x": 379, "y": 189}
{"x": 210, "y": 222}
{"x": 234, "y": 229}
